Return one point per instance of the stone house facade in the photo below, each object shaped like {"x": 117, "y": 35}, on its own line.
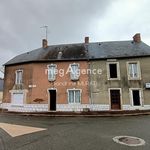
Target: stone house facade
{"x": 76, "y": 77}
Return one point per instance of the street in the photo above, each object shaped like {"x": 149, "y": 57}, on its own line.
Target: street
{"x": 71, "y": 133}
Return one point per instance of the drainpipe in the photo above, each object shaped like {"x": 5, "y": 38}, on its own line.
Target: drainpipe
{"x": 89, "y": 67}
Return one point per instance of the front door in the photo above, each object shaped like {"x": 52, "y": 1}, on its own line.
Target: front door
{"x": 52, "y": 96}
{"x": 136, "y": 98}
{"x": 115, "y": 99}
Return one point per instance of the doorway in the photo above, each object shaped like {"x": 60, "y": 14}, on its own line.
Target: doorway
{"x": 115, "y": 99}
{"x": 52, "y": 99}
{"x": 136, "y": 98}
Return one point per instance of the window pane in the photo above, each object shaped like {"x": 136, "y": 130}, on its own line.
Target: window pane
{"x": 133, "y": 70}
{"x": 18, "y": 77}
{"x": 52, "y": 72}
{"x": 77, "y": 96}
{"x": 74, "y": 71}
{"x": 71, "y": 96}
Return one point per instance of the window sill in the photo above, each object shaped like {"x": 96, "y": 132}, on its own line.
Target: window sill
{"x": 113, "y": 79}
{"x": 130, "y": 79}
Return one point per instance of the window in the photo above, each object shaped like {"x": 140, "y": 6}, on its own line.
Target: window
{"x": 113, "y": 71}
{"x": 133, "y": 70}
{"x": 136, "y": 97}
{"x": 74, "y": 74}
{"x": 74, "y": 96}
{"x": 52, "y": 72}
{"x": 19, "y": 74}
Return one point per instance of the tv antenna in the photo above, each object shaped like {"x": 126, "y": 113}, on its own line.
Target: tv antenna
{"x": 46, "y": 31}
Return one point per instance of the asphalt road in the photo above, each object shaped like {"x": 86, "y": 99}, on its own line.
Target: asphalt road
{"x": 75, "y": 133}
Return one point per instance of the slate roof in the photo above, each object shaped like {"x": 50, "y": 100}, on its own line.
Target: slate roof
{"x": 82, "y": 51}
{"x": 1, "y": 84}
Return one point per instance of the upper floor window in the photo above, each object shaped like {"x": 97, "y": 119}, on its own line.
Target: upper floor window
{"x": 134, "y": 72}
{"x": 113, "y": 71}
{"x": 52, "y": 72}
{"x": 74, "y": 96}
{"x": 74, "y": 74}
{"x": 19, "y": 74}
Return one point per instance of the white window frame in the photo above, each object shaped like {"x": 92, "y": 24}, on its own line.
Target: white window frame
{"x": 54, "y": 75}
{"x": 74, "y": 95}
{"x": 138, "y": 70}
{"x": 17, "y": 80}
{"x": 74, "y": 76}
{"x": 131, "y": 97}
{"x": 118, "y": 71}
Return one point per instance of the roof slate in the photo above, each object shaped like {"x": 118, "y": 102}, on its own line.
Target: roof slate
{"x": 82, "y": 51}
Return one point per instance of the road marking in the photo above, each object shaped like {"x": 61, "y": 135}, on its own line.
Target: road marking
{"x": 18, "y": 130}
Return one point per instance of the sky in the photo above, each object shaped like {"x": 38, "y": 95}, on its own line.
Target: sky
{"x": 69, "y": 21}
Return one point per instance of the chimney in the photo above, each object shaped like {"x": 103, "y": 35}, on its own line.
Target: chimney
{"x": 137, "y": 38}
{"x": 86, "y": 40}
{"x": 44, "y": 43}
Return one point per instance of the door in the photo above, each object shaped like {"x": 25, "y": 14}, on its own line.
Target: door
{"x": 136, "y": 98}
{"x": 52, "y": 96}
{"x": 17, "y": 98}
{"x": 115, "y": 99}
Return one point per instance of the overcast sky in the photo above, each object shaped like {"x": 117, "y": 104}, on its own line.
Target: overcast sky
{"x": 69, "y": 21}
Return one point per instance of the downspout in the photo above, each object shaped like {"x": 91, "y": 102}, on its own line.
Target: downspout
{"x": 89, "y": 67}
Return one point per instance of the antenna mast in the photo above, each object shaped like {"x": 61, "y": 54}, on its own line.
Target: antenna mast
{"x": 46, "y": 31}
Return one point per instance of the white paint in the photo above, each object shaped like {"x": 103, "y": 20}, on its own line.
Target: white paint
{"x": 18, "y": 130}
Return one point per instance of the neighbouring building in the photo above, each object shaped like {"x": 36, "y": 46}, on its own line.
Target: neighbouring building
{"x": 1, "y": 89}
{"x": 73, "y": 77}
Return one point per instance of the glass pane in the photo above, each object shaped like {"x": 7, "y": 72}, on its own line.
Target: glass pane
{"x": 74, "y": 71}
{"x": 135, "y": 70}
{"x": 77, "y": 96}
{"x": 51, "y": 73}
{"x": 19, "y": 77}
{"x": 71, "y": 96}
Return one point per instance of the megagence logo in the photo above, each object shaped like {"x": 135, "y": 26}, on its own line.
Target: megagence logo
{"x": 62, "y": 72}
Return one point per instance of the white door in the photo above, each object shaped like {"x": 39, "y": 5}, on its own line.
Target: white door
{"x": 17, "y": 98}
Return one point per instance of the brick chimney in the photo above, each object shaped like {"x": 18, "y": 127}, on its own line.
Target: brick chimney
{"x": 137, "y": 38}
{"x": 44, "y": 43}
{"x": 86, "y": 40}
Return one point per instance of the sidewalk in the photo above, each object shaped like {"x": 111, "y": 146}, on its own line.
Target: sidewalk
{"x": 82, "y": 114}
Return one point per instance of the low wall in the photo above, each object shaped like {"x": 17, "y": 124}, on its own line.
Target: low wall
{"x": 65, "y": 107}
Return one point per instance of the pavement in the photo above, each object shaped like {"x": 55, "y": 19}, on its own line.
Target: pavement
{"x": 71, "y": 133}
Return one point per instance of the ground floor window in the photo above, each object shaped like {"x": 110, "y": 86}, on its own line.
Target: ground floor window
{"x": 136, "y": 97}
{"x": 17, "y": 98}
{"x": 74, "y": 96}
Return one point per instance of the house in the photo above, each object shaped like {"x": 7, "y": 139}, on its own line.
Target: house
{"x": 125, "y": 81}
{"x": 76, "y": 77}
{"x": 1, "y": 89}
{"x": 47, "y": 79}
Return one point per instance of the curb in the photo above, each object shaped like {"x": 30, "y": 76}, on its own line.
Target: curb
{"x": 77, "y": 114}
